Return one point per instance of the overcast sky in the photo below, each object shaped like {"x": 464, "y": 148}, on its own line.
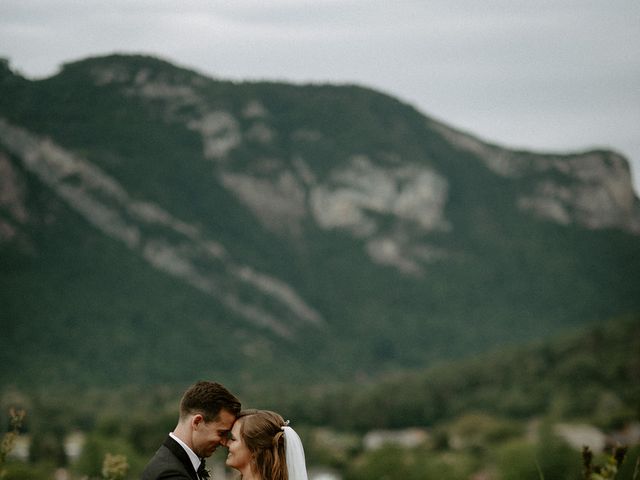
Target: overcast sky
{"x": 547, "y": 75}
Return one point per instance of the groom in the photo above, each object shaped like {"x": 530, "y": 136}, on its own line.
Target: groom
{"x": 207, "y": 412}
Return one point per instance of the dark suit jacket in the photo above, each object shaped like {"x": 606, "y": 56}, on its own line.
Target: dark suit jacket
{"x": 169, "y": 462}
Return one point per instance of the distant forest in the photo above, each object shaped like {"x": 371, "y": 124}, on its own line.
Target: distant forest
{"x": 592, "y": 377}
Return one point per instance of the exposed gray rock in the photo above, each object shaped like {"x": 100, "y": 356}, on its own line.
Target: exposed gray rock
{"x": 12, "y": 192}
{"x": 167, "y": 258}
{"x": 499, "y": 160}
{"x": 167, "y": 91}
{"x": 598, "y": 194}
{"x": 260, "y": 132}
{"x": 362, "y": 196}
{"x": 220, "y": 133}
{"x": 275, "y": 287}
{"x": 8, "y": 230}
{"x": 254, "y": 109}
{"x": 105, "y": 204}
{"x": 387, "y": 251}
{"x": 343, "y": 209}
{"x": 356, "y": 198}
{"x": 105, "y": 75}
{"x": 151, "y": 213}
{"x": 412, "y": 193}
{"x": 278, "y": 204}
{"x": 106, "y": 218}
{"x": 550, "y": 204}
{"x": 303, "y": 171}
{"x": 593, "y": 189}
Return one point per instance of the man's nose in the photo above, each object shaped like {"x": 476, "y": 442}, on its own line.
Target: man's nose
{"x": 223, "y": 441}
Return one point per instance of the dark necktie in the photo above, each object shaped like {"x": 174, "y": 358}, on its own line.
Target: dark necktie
{"x": 203, "y": 473}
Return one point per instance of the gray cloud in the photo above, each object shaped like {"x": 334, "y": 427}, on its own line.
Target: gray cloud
{"x": 546, "y": 75}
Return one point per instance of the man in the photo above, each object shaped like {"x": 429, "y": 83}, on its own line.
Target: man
{"x": 207, "y": 413}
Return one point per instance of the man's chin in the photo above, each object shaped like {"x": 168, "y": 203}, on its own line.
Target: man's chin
{"x": 206, "y": 453}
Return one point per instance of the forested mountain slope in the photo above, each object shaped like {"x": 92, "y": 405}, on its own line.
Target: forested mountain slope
{"x": 154, "y": 221}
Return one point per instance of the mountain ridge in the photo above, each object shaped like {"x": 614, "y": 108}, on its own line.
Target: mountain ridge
{"x": 309, "y": 215}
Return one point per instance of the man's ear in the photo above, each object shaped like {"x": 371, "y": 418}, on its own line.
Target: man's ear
{"x": 196, "y": 420}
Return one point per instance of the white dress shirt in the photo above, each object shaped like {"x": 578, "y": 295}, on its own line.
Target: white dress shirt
{"x": 195, "y": 460}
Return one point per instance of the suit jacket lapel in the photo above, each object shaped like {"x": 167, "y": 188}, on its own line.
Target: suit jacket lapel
{"x": 181, "y": 455}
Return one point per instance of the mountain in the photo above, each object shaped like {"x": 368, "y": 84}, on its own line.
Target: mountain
{"x": 157, "y": 225}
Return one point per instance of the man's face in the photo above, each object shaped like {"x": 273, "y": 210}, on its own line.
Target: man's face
{"x": 208, "y": 435}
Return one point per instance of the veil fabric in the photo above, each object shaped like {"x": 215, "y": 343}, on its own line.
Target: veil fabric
{"x": 294, "y": 455}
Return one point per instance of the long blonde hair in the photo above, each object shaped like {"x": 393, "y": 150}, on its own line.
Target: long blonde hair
{"x": 262, "y": 433}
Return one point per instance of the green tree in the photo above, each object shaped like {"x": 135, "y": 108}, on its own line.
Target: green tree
{"x": 549, "y": 458}
{"x": 9, "y": 438}
{"x": 95, "y": 451}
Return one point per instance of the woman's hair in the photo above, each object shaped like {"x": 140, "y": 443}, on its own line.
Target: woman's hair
{"x": 262, "y": 433}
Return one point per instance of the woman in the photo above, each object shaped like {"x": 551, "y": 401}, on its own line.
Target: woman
{"x": 262, "y": 446}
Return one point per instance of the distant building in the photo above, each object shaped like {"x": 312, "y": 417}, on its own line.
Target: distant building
{"x": 21, "y": 448}
{"x": 579, "y": 435}
{"x": 407, "y": 438}
{"x": 323, "y": 474}
{"x": 73, "y": 445}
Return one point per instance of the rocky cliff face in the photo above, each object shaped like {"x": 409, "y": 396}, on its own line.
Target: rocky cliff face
{"x": 282, "y": 193}
{"x": 12, "y": 197}
{"x": 312, "y": 215}
{"x": 591, "y": 189}
{"x": 105, "y": 204}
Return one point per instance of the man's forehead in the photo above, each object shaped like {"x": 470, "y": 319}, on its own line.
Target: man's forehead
{"x": 226, "y": 419}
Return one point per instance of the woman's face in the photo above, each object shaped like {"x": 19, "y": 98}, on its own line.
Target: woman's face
{"x": 239, "y": 456}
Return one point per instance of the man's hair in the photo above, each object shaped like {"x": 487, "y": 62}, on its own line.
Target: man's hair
{"x": 207, "y": 399}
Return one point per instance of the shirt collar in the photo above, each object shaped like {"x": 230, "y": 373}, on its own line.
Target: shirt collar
{"x": 195, "y": 460}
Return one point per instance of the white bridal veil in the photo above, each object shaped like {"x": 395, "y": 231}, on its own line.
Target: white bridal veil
{"x": 294, "y": 454}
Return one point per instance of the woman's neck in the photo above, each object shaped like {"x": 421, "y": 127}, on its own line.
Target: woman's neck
{"x": 248, "y": 474}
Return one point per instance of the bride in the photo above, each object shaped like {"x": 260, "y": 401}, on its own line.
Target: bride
{"x": 262, "y": 446}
